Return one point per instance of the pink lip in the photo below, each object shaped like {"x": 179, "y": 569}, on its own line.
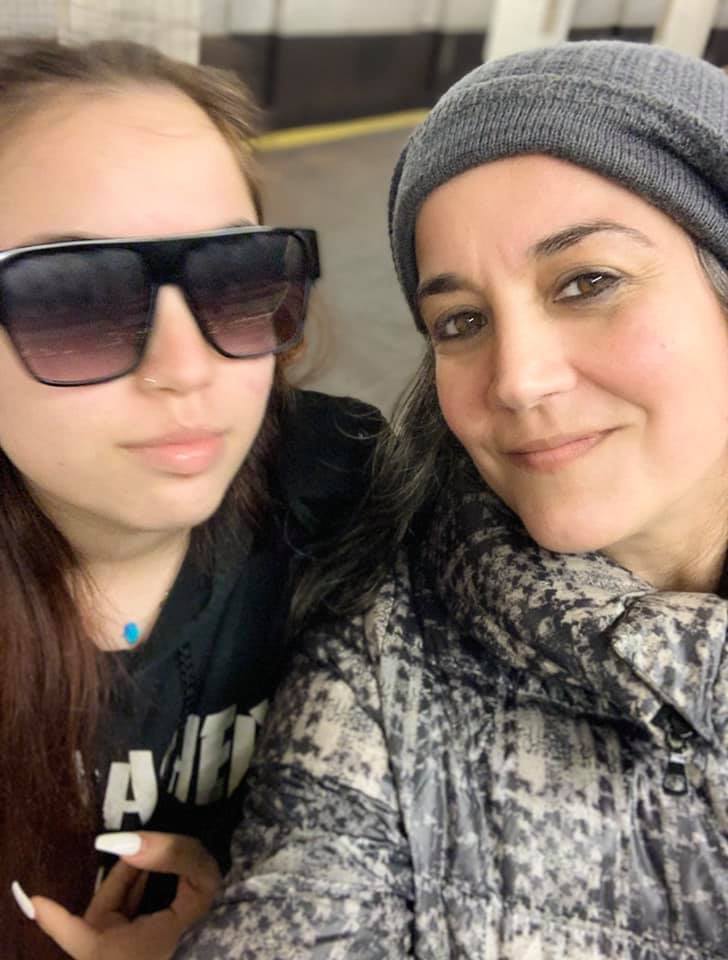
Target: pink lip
{"x": 181, "y": 452}
{"x": 552, "y": 453}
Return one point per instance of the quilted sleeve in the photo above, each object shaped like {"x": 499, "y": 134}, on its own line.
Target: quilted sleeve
{"x": 321, "y": 867}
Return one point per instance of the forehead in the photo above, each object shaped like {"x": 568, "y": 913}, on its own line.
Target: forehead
{"x": 510, "y": 205}
{"x": 115, "y": 163}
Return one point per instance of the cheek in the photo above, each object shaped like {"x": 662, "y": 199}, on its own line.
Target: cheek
{"x": 635, "y": 366}
{"x": 672, "y": 382}
{"x": 256, "y": 379}
{"x": 247, "y": 390}
{"x": 44, "y": 429}
{"x": 42, "y": 442}
{"x": 64, "y": 427}
{"x": 31, "y": 426}
{"x": 461, "y": 392}
{"x": 675, "y": 370}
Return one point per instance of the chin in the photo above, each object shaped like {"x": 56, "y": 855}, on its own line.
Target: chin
{"x": 566, "y": 534}
{"x": 180, "y": 514}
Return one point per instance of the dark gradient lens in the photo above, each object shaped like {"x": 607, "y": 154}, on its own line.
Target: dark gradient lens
{"x": 248, "y": 292}
{"x": 76, "y": 316}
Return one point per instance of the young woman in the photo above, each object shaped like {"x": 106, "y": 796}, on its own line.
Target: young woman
{"x": 521, "y": 749}
{"x": 151, "y": 510}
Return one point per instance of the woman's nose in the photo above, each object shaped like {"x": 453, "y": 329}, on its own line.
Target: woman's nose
{"x": 531, "y": 360}
{"x": 176, "y": 357}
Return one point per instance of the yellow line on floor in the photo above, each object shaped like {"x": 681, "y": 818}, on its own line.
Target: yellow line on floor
{"x": 327, "y": 132}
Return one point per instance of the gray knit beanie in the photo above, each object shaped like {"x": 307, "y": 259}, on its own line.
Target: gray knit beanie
{"x": 651, "y": 119}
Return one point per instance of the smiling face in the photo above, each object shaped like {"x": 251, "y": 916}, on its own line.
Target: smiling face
{"x": 581, "y": 356}
{"x": 154, "y": 450}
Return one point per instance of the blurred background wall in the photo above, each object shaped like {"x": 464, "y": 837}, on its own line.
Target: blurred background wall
{"x": 312, "y": 61}
{"x": 171, "y": 25}
{"x": 322, "y": 60}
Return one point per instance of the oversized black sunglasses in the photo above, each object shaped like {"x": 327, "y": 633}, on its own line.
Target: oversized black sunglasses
{"x": 80, "y": 312}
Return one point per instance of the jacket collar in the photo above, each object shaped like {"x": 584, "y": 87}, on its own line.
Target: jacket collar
{"x": 579, "y": 617}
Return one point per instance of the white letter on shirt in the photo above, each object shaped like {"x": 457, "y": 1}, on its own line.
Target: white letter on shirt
{"x": 136, "y": 777}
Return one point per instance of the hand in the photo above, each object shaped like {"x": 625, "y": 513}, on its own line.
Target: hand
{"x": 109, "y": 929}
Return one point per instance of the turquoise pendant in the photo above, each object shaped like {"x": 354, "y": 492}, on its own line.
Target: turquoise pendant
{"x": 131, "y": 633}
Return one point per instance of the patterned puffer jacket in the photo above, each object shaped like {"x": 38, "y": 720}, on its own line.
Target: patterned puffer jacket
{"x": 516, "y": 755}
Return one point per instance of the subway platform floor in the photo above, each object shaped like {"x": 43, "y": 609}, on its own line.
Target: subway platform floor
{"x": 359, "y": 322}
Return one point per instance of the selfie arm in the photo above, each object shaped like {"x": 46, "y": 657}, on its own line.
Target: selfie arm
{"x": 321, "y": 865}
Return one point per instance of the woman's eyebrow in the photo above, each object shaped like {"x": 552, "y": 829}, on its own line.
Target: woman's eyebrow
{"x": 567, "y": 237}
{"x": 546, "y": 247}
{"x": 443, "y": 283}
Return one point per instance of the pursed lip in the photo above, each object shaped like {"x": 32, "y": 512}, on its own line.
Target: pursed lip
{"x": 180, "y": 437}
{"x": 182, "y": 452}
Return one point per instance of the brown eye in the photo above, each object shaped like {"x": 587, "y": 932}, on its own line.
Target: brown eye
{"x": 458, "y": 326}
{"x": 586, "y": 286}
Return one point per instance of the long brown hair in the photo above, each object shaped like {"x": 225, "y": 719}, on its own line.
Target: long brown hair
{"x": 53, "y": 685}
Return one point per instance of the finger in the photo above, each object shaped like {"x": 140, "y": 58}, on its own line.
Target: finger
{"x": 111, "y": 896}
{"x": 136, "y": 892}
{"x": 147, "y": 938}
{"x": 177, "y": 854}
{"x": 72, "y": 934}
{"x": 191, "y": 904}
{"x": 151, "y": 937}
{"x": 187, "y": 858}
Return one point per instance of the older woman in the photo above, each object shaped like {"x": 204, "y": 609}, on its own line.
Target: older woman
{"x": 519, "y": 750}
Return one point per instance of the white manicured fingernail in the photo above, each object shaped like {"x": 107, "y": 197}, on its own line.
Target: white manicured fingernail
{"x": 23, "y": 900}
{"x": 122, "y": 844}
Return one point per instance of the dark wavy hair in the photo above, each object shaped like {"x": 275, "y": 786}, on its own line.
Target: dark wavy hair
{"x": 53, "y": 682}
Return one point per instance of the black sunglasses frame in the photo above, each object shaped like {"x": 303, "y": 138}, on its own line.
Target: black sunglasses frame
{"x": 163, "y": 258}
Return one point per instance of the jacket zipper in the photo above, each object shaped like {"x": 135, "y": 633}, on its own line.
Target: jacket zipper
{"x": 679, "y": 736}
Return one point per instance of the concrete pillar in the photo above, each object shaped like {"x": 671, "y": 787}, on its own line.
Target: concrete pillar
{"x": 686, "y": 25}
{"x": 173, "y": 26}
{"x": 523, "y": 24}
